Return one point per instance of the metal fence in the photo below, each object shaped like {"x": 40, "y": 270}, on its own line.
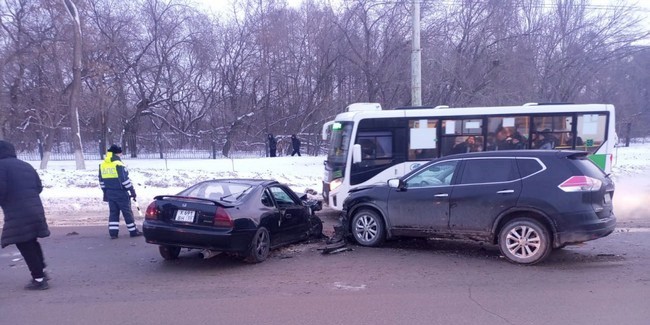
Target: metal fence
{"x": 171, "y": 147}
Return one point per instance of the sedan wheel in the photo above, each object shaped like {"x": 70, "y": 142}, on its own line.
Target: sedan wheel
{"x": 368, "y": 228}
{"x": 315, "y": 227}
{"x": 169, "y": 252}
{"x": 260, "y": 246}
{"x": 524, "y": 241}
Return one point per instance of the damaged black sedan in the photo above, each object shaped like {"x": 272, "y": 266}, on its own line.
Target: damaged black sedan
{"x": 246, "y": 217}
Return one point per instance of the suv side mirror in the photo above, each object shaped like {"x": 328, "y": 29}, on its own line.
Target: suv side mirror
{"x": 356, "y": 153}
{"x": 396, "y": 183}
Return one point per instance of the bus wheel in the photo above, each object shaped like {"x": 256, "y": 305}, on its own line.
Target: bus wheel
{"x": 368, "y": 228}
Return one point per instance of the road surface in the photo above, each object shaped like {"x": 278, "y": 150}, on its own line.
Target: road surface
{"x": 96, "y": 280}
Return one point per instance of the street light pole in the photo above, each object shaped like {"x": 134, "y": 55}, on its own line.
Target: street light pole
{"x": 416, "y": 58}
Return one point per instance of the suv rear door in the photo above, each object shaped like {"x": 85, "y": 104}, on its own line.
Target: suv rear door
{"x": 486, "y": 187}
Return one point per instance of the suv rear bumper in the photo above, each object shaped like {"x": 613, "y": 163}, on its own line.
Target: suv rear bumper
{"x": 585, "y": 232}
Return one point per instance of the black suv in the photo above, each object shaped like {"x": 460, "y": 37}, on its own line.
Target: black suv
{"x": 526, "y": 201}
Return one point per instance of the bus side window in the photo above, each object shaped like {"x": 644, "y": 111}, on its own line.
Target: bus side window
{"x": 368, "y": 149}
{"x": 591, "y": 131}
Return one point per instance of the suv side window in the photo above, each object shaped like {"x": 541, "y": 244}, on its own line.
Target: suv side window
{"x": 439, "y": 174}
{"x": 528, "y": 167}
{"x": 491, "y": 170}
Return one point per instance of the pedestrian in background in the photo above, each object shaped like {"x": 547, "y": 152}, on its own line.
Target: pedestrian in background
{"x": 24, "y": 216}
{"x": 117, "y": 187}
{"x": 295, "y": 143}
{"x": 273, "y": 145}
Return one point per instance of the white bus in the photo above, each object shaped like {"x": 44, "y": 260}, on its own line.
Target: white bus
{"x": 369, "y": 145}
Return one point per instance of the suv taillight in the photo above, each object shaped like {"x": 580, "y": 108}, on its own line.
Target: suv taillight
{"x": 152, "y": 212}
{"x": 581, "y": 184}
{"x": 222, "y": 218}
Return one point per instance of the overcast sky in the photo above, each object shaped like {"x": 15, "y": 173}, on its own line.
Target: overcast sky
{"x": 643, "y": 5}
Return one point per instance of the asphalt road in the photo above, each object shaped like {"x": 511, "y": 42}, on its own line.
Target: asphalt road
{"x": 96, "y": 280}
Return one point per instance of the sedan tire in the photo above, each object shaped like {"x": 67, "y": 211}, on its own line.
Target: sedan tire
{"x": 260, "y": 246}
{"x": 315, "y": 227}
{"x": 169, "y": 252}
{"x": 524, "y": 241}
{"x": 368, "y": 228}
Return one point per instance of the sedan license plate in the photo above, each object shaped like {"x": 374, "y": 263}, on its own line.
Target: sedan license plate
{"x": 184, "y": 216}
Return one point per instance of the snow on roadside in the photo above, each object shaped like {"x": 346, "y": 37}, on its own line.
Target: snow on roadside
{"x": 631, "y": 160}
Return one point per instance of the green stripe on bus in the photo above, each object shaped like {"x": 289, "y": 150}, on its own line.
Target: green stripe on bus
{"x": 600, "y": 160}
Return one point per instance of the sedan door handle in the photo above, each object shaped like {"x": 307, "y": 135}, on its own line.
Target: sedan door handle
{"x": 441, "y": 195}
{"x": 505, "y": 191}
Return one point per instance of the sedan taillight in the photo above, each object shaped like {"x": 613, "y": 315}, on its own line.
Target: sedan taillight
{"x": 222, "y": 218}
{"x": 581, "y": 184}
{"x": 152, "y": 212}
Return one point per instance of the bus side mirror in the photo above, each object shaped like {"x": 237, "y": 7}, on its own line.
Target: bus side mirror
{"x": 356, "y": 153}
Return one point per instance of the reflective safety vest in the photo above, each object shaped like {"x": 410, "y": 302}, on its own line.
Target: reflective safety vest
{"x": 113, "y": 174}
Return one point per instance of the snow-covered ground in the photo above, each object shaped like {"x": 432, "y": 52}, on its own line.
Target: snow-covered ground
{"x": 73, "y": 196}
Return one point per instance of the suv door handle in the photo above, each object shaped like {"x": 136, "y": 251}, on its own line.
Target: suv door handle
{"x": 441, "y": 195}
{"x": 505, "y": 191}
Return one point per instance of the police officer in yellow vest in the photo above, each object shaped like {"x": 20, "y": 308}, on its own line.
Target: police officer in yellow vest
{"x": 117, "y": 187}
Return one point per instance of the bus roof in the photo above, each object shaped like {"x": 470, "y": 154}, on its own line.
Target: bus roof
{"x": 474, "y": 111}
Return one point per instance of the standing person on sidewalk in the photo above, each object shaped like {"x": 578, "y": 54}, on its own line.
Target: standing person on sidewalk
{"x": 273, "y": 145}
{"x": 295, "y": 142}
{"x": 20, "y": 188}
{"x": 117, "y": 187}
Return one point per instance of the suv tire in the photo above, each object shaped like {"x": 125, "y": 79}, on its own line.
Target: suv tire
{"x": 524, "y": 241}
{"x": 367, "y": 228}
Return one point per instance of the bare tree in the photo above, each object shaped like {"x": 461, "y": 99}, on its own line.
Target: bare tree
{"x": 76, "y": 84}
{"x": 160, "y": 73}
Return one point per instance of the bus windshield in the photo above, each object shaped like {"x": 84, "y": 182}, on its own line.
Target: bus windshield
{"x": 340, "y": 142}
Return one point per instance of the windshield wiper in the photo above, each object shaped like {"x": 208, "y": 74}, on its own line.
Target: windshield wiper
{"x": 239, "y": 194}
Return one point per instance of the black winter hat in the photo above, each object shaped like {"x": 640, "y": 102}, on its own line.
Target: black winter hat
{"x": 7, "y": 150}
{"x": 115, "y": 149}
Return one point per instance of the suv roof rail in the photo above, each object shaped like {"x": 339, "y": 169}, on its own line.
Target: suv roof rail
{"x": 549, "y": 103}
{"x": 414, "y": 107}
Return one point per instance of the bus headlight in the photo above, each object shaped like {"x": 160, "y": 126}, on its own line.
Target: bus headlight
{"x": 335, "y": 183}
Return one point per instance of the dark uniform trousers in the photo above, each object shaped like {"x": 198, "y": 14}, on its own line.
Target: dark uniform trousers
{"x": 119, "y": 200}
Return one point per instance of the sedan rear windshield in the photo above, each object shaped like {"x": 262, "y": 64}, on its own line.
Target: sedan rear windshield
{"x": 218, "y": 191}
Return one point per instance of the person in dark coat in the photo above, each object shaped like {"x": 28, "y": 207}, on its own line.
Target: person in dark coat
{"x": 24, "y": 216}
{"x": 469, "y": 145}
{"x": 118, "y": 188}
{"x": 295, "y": 143}
{"x": 273, "y": 145}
